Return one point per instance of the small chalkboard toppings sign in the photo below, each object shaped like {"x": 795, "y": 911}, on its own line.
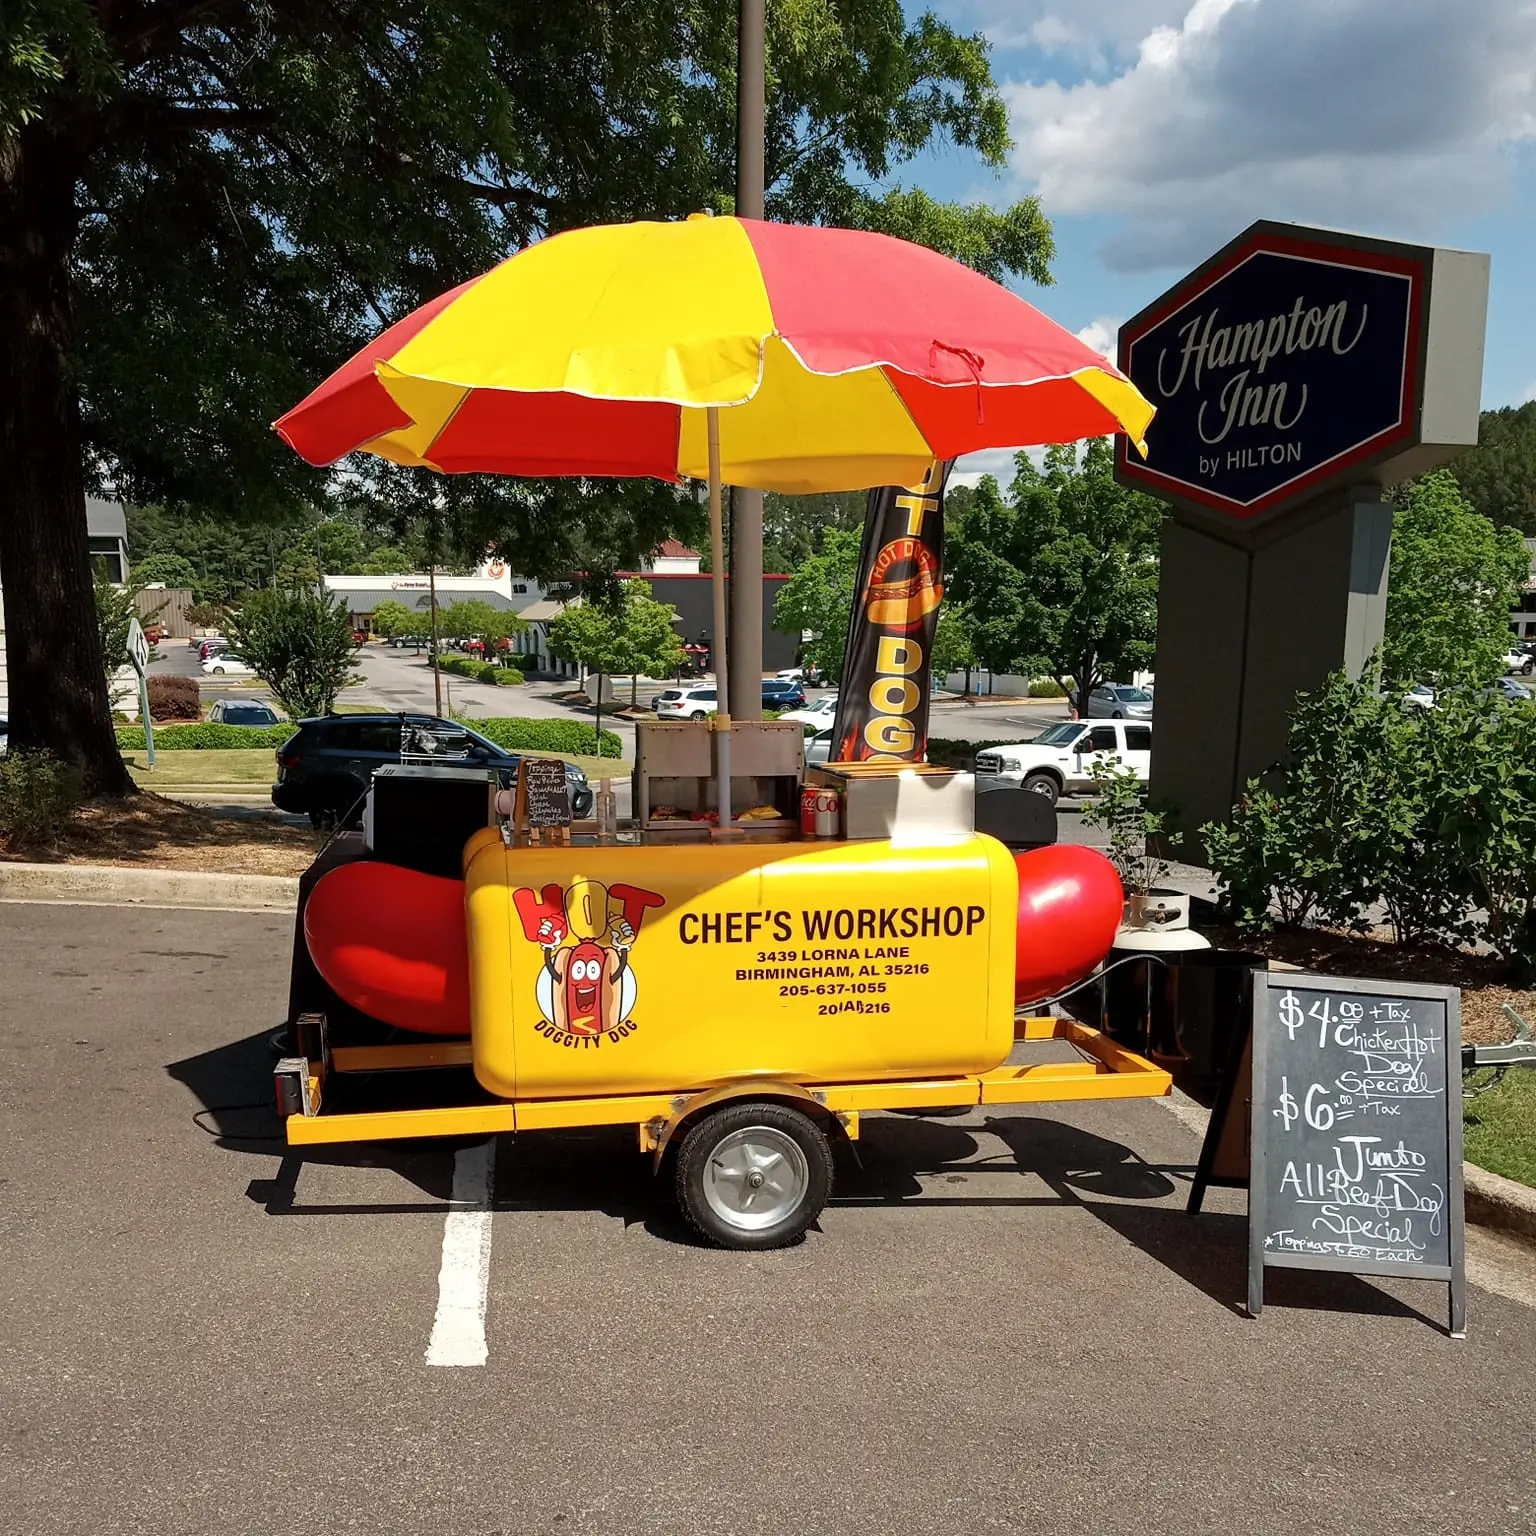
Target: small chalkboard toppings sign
{"x": 1356, "y": 1131}
{"x": 546, "y": 796}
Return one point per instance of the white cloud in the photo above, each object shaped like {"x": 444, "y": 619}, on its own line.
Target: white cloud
{"x": 997, "y": 462}
{"x": 1101, "y": 335}
{"x": 1390, "y": 115}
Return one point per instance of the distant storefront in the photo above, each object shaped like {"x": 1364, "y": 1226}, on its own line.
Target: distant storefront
{"x": 672, "y": 573}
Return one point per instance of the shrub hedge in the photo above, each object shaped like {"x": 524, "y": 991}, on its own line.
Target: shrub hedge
{"x": 174, "y": 698}
{"x": 1046, "y": 688}
{"x": 205, "y": 738}
{"x": 521, "y": 735}
{"x": 480, "y": 671}
{"x": 513, "y": 733}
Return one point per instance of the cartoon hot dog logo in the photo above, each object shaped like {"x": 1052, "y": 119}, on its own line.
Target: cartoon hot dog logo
{"x": 586, "y": 986}
{"x": 903, "y": 601}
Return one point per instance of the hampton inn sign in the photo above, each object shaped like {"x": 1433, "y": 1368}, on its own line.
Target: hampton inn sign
{"x": 1294, "y": 359}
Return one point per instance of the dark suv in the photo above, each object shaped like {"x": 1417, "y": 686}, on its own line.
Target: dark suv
{"x": 782, "y": 693}
{"x": 324, "y": 768}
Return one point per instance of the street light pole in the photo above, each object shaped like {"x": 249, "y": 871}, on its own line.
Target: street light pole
{"x": 746, "y": 632}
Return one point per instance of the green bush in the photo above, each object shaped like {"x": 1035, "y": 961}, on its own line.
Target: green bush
{"x": 1045, "y": 688}
{"x": 506, "y": 676}
{"x": 571, "y": 736}
{"x": 1428, "y": 813}
{"x": 206, "y": 738}
{"x": 38, "y": 795}
{"x": 485, "y": 671}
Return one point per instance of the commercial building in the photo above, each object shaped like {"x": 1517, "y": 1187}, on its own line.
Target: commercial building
{"x": 672, "y": 572}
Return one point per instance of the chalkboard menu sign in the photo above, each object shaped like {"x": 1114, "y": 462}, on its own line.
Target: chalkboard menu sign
{"x": 1356, "y": 1131}
{"x": 547, "y": 799}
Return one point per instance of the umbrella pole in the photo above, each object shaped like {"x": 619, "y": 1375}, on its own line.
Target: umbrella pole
{"x": 720, "y": 721}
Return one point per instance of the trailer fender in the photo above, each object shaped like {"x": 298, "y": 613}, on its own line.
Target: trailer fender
{"x": 656, "y": 1134}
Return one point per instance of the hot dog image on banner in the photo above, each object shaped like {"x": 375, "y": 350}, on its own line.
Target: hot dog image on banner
{"x": 882, "y": 706}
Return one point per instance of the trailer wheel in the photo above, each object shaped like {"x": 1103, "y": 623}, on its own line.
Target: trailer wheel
{"x": 753, "y": 1175}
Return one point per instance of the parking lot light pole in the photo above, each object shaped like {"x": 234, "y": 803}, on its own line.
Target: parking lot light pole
{"x": 746, "y": 634}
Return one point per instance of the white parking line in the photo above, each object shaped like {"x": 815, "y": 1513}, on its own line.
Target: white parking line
{"x": 458, "y": 1331}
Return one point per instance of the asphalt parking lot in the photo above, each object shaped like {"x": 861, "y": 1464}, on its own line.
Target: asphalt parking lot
{"x": 1004, "y": 1323}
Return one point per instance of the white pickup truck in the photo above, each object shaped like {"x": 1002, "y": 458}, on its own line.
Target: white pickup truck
{"x": 1060, "y": 760}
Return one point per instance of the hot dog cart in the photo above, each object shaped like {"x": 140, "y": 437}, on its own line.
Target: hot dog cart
{"x": 739, "y": 1001}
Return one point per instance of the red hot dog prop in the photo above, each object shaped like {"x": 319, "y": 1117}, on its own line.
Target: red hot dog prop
{"x": 392, "y": 942}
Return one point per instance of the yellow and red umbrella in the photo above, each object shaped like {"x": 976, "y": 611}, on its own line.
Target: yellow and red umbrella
{"x": 836, "y": 359}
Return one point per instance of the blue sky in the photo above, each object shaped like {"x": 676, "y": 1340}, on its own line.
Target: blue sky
{"x": 1154, "y": 130}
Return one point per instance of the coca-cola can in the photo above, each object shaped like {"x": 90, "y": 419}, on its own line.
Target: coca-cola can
{"x": 829, "y": 813}
{"x": 808, "y": 794}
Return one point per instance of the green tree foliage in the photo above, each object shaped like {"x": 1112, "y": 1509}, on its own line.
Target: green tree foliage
{"x": 795, "y": 527}
{"x": 164, "y": 571}
{"x": 1499, "y": 475}
{"x": 628, "y": 632}
{"x": 472, "y": 618}
{"x": 954, "y": 640}
{"x": 387, "y": 560}
{"x": 1061, "y": 577}
{"x": 394, "y": 621}
{"x": 818, "y": 598}
{"x": 1454, "y": 579}
{"x": 115, "y": 611}
{"x": 205, "y": 208}
{"x": 299, "y": 645}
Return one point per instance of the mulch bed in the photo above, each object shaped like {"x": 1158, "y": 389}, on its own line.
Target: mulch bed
{"x": 1483, "y": 979}
{"x": 148, "y": 831}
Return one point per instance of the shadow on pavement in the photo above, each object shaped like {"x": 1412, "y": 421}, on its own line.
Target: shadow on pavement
{"x": 897, "y": 1161}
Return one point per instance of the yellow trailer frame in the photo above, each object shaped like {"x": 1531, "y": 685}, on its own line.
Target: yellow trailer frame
{"x": 1106, "y": 1070}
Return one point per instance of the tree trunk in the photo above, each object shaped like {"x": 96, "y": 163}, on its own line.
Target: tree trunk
{"x": 58, "y": 684}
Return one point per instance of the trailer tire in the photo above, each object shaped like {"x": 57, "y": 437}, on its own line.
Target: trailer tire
{"x": 753, "y": 1175}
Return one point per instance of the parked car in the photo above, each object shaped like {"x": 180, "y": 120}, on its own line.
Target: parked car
{"x": 222, "y": 664}
{"x": 1119, "y": 701}
{"x": 783, "y": 693}
{"x": 324, "y": 768}
{"x": 1061, "y": 759}
{"x": 1520, "y": 658}
{"x": 5, "y": 735}
{"x": 240, "y": 712}
{"x": 154, "y": 633}
{"x": 399, "y": 642}
{"x": 819, "y": 746}
{"x": 1419, "y": 697}
{"x": 819, "y": 712}
{"x": 1506, "y": 688}
{"x": 210, "y": 645}
{"x": 686, "y": 703}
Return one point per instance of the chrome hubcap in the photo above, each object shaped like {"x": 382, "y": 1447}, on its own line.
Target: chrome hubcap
{"x": 755, "y": 1178}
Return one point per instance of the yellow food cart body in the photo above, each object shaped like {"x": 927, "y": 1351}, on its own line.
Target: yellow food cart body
{"x": 622, "y": 970}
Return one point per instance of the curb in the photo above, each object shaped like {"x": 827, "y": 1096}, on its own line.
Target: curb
{"x": 108, "y": 885}
{"x": 1494, "y": 1201}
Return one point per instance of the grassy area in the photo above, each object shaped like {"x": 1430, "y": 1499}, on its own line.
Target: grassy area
{"x": 184, "y": 770}
{"x": 595, "y": 768}
{"x": 256, "y": 770}
{"x": 1501, "y": 1127}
